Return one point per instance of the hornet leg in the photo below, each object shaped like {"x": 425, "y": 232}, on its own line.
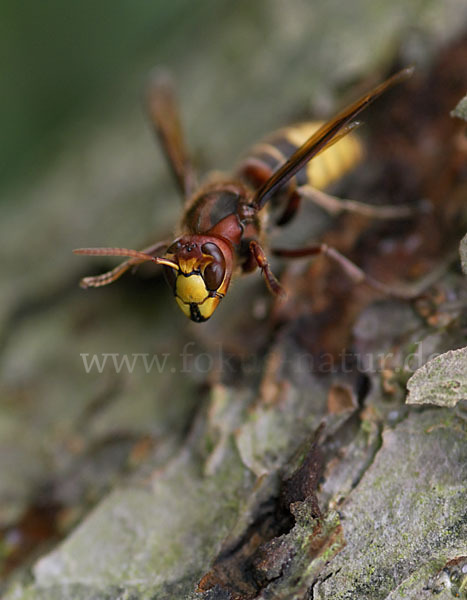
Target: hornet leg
{"x": 262, "y": 262}
{"x": 336, "y": 206}
{"x": 356, "y": 274}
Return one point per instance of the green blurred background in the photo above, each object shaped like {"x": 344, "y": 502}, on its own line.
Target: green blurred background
{"x": 62, "y": 61}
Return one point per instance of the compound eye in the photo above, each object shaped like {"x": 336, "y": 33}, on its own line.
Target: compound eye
{"x": 173, "y": 248}
{"x": 170, "y": 276}
{"x": 214, "y": 273}
{"x": 213, "y": 276}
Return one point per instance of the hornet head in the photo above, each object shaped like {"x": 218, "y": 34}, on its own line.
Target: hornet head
{"x": 203, "y": 275}
{"x": 198, "y": 268}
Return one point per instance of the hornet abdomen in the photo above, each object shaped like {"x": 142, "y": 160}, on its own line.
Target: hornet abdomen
{"x": 326, "y": 168}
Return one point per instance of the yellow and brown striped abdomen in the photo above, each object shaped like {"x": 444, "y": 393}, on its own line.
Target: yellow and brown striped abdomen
{"x": 324, "y": 169}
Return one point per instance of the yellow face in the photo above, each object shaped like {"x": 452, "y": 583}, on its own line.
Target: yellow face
{"x": 195, "y": 300}
{"x": 201, "y": 280}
